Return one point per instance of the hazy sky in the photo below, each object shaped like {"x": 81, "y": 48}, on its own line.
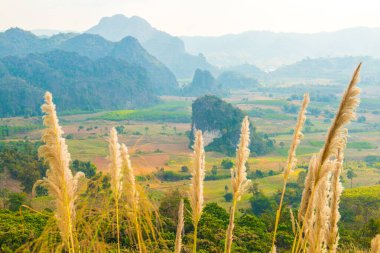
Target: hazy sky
{"x": 195, "y": 17}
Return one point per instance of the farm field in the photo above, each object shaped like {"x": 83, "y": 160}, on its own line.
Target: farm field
{"x": 157, "y": 139}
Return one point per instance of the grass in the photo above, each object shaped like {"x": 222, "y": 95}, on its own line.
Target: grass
{"x": 173, "y": 111}
{"x": 87, "y": 149}
{"x": 363, "y": 192}
{"x": 268, "y": 102}
{"x": 351, "y": 145}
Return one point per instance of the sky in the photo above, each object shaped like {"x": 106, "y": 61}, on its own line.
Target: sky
{"x": 195, "y": 17}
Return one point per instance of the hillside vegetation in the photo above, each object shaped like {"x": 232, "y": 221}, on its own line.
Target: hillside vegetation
{"x": 79, "y": 82}
{"x": 211, "y": 114}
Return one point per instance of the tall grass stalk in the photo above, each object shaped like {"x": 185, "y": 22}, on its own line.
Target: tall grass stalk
{"x": 375, "y": 244}
{"x": 238, "y": 178}
{"x": 332, "y": 237}
{"x": 132, "y": 194}
{"x": 180, "y": 225}
{"x": 116, "y": 177}
{"x": 196, "y": 187}
{"x": 292, "y": 160}
{"x": 59, "y": 180}
{"x": 335, "y": 141}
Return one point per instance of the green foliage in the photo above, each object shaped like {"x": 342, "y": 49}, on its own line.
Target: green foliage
{"x": 77, "y": 82}
{"x": 360, "y": 208}
{"x": 88, "y": 168}
{"x": 290, "y": 108}
{"x": 16, "y": 200}
{"x": 228, "y": 197}
{"x": 227, "y": 164}
{"x": 167, "y": 175}
{"x": 184, "y": 169}
{"x": 166, "y": 112}
{"x": 209, "y": 113}
{"x": 7, "y": 131}
{"x": 18, "y": 228}
{"x": 351, "y": 145}
{"x": 261, "y": 203}
{"x": 21, "y": 159}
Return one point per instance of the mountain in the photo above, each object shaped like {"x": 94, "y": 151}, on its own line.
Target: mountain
{"x": 77, "y": 83}
{"x": 235, "y": 80}
{"x": 203, "y": 83}
{"x": 167, "y": 48}
{"x": 269, "y": 50}
{"x": 17, "y": 42}
{"x": 220, "y": 123}
{"x": 247, "y": 70}
{"x": 337, "y": 69}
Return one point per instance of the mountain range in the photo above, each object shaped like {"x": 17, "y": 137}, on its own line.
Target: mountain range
{"x": 270, "y": 50}
{"x": 84, "y": 72}
{"x": 167, "y": 48}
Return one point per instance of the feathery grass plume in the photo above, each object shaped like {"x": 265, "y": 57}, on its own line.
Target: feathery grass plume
{"x": 307, "y": 188}
{"x": 375, "y": 244}
{"x": 116, "y": 176}
{"x": 59, "y": 180}
{"x": 336, "y": 190}
{"x": 238, "y": 178}
{"x": 180, "y": 225}
{"x": 292, "y": 219}
{"x": 292, "y": 160}
{"x": 129, "y": 180}
{"x": 318, "y": 230}
{"x": 336, "y": 140}
{"x": 132, "y": 194}
{"x": 196, "y": 187}
{"x": 337, "y": 135}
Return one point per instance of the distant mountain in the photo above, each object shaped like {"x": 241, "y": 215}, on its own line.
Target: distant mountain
{"x": 16, "y": 42}
{"x": 247, "y": 70}
{"x": 235, "y": 80}
{"x": 77, "y": 82}
{"x": 338, "y": 69}
{"x": 203, "y": 83}
{"x": 168, "y": 49}
{"x": 48, "y": 32}
{"x": 270, "y": 50}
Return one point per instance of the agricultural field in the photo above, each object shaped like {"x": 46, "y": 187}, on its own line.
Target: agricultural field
{"x": 157, "y": 138}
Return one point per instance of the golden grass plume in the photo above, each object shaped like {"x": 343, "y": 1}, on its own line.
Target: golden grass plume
{"x": 59, "y": 180}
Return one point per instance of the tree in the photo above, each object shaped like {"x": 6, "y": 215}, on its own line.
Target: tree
{"x": 228, "y": 197}
{"x": 362, "y": 119}
{"x": 15, "y": 200}
{"x": 184, "y": 169}
{"x": 226, "y": 188}
{"x": 146, "y": 130}
{"x": 227, "y": 164}
{"x": 87, "y": 168}
{"x": 282, "y": 144}
{"x": 260, "y": 203}
{"x": 214, "y": 170}
{"x": 254, "y": 188}
{"x": 350, "y": 175}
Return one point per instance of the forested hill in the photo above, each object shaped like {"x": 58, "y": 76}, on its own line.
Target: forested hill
{"x": 222, "y": 121}
{"x": 16, "y": 42}
{"x": 77, "y": 82}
